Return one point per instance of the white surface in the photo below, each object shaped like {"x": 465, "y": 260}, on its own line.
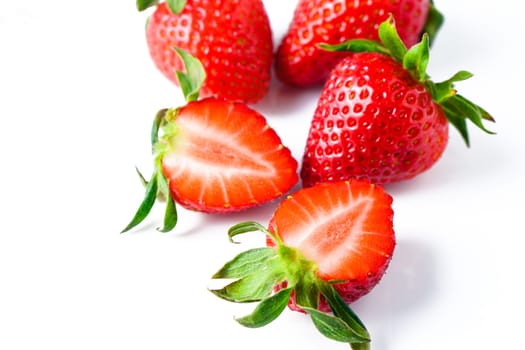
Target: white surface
{"x": 77, "y": 96}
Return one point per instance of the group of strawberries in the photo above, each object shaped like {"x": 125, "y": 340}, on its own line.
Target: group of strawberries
{"x": 379, "y": 119}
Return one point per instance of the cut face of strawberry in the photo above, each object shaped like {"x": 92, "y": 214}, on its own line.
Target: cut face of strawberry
{"x": 327, "y": 245}
{"x": 345, "y": 228}
{"x": 222, "y": 156}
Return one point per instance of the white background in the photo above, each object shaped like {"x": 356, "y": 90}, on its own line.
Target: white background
{"x": 77, "y": 96}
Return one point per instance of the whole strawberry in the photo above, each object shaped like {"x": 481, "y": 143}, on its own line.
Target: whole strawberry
{"x": 301, "y": 62}
{"x": 380, "y": 117}
{"x": 232, "y": 39}
{"x": 328, "y": 245}
{"x": 213, "y": 155}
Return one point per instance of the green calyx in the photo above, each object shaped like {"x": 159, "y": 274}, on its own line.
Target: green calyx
{"x": 157, "y": 188}
{"x": 175, "y": 6}
{"x": 415, "y": 60}
{"x": 256, "y": 272}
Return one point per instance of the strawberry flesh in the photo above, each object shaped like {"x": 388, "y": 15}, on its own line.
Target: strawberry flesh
{"x": 345, "y": 228}
{"x": 224, "y": 157}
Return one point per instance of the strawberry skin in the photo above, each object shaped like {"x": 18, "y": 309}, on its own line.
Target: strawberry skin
{"x": 299, "y": 60}
{"x": 222, "y": 156}
{"x": 232, "y": 39}
{"x": 373, "y": 121}
{"x": 345, "y": 228}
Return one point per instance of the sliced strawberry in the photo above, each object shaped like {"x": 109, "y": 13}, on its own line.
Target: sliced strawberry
{"x": 327, "y": 245}
{"x": 346, "y": 228}
{"x": 213, "y": 155}
{"x": 223, "y": 156}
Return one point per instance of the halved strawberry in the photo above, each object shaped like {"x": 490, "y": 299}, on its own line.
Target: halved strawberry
{"x": 222, "y": 156}
{"x": 346, "y": 229}
{"x": 328, "y": 245}
{"x": 214, "y": 155}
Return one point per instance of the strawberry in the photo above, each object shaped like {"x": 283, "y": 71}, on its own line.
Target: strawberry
{"x": 328, "y": 245}
{"x": 300, "y": 61}
{"x": 214, "y": 155}
{"x": 232, "y": 39}
{"x": 380, "y": 116}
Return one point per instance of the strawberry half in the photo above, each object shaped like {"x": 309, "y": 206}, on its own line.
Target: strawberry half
{"x": 301, "y": 62}
{"x": 214, "y": 155}
{"x": 380, "y": 116}
{"x": 232, "y": 39}
{"x": 328, "y": 245}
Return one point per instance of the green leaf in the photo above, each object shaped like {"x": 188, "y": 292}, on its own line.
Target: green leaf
{"x": 356, "y": 45}
{"x": 245, "y": 227}
{"x": 460, "y": 76}
{"x": 456, "y": 118}
{"x": 416, "y": 59}
{"x": 486, "y": 115}
{"x": 267, "y": 310}
{"x": 160, "y": 196}
{"x": 158, "y": 121}
{"x": 176, "y": 6}
{"x": 341, "y": 309}
{"x": 250, "y": 226}
{"x": 360, "y": 346}
{"x": 163, "y": 185}
{"x": 391, "y": 40}
{"x": 143, "y": 180}
{"x": 440, "y": 91}
{"x": 144, "y": 4}
{"x": 190, "y": 82}
{"x": 253, "y": 287}
{"x": 333, "y": 327}
{"x": 458, "y": 106}
{"x": 170, "y": 215}
{"x": 433, "y": 23}
{"x": 307, "y": 293}
{"x": 146, "y": 205}
{"x": 445, "y": 89}
{"x": 250, "y": 261}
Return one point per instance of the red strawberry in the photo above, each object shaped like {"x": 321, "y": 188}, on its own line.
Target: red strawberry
{"x": 329, "y": 245}
{"x": 214, "y": 155}
{"x": 232, "y": 39}
{"x": 380, "y": 117}
{"x": 301, "y": 62}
